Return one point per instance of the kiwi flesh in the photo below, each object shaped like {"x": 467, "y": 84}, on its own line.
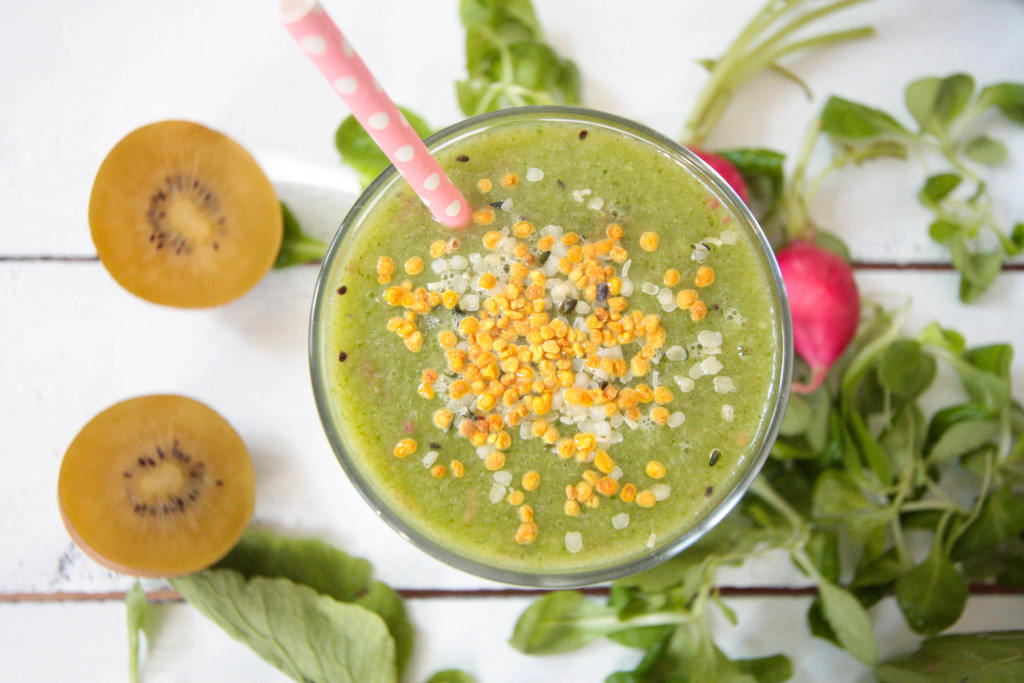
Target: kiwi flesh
{"x": 182, "y": 215}
{"x": 156, "y": 486}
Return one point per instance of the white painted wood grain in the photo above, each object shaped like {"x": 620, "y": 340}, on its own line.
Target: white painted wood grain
{"x": 79, "y": 76}
{"x": 74, "y": 342}
{"x": 466, "y": 633}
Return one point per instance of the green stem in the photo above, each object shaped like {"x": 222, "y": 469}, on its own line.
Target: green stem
{"x": 906, "y": 484}
{"x": 508, "y": 74}
{"x": 814, "y": 186}
{"x": 715, "y": 95}
{"x": 795, "y": 199}
{"x": 741, "y": 62}
{"x": 757, "y": 62}
{"x": 485, "y": 102}
{"x": 949, "y": 153}
{"x": 930, "y": 506}
{"x": 763, "y": 490}
{"x": 986, "y": 483}
{"x": 805, "y": 564}
{"x": 867, "y": 354}
{"x": 521, "y": 93}
{"x": 504, "y": 85}
{"x": 664, "y": 618}
{"x": 940, "y": 531}
{"x": 979, "y": 205}
{"x": 302, "y": 251}
{"x": 1009, "y": 450}
{"x": 804, "y": 20}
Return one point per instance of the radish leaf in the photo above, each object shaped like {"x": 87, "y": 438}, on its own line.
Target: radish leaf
{"x": 844, "y": 119}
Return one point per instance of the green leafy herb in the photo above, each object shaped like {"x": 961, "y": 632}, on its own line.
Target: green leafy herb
{"x": 307, "y": 635}
{"x": 662, "y": 611}
{"x": 849, "y": 621}
{"x": 995, "y": 656}
{"x": 308, "y": 608}
{"x": 297, "y": 247}
{"x": 1001, "y": 519}
{"x": 137, "y": 608}
{"x": 359, "y": 151}
{"x": 947, "y": 112}
{"x": 688, "y": 654}
{"x": 508, "y": 63}
{"x": 563, "y": 621}
{"x": 327, "y": 571}
{"x": 933, "y": 594}
{"x": 859, "y": 462}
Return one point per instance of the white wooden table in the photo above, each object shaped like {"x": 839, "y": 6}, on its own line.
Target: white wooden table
{"x": 75, "y": 77}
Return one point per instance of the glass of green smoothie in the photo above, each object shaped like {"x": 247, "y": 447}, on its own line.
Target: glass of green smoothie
{"x": 578, "y": 385}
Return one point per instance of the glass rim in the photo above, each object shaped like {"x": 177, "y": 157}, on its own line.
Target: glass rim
{"x": 571, "y": 578}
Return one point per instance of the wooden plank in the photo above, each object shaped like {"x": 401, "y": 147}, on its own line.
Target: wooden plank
{"x": 245, "y": 77}
{"x": 465, "y": 633}
{"x": 94, "y": 345}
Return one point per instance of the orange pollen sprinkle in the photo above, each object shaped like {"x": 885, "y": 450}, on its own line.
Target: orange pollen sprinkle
{"x": 536, "y": 348}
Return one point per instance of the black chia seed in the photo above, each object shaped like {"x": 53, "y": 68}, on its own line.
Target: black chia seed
{"x": 462, "y": 157}
{"x": 583, "y": 135}
{"x": 342, "y": 289}
{"x": 342, "y": 356}
{"x": 715, "y": 455}
{"x": 708, "y": 491}
{"x": 602, "y": 292}
{"x": 567, "y": 306}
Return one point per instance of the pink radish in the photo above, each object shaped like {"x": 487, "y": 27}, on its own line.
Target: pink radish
{"x": 824, "y": 303}
{"x": 726, "y": 169}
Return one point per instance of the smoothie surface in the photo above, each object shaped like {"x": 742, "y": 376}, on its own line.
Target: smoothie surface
{"x": 578, "y": 377}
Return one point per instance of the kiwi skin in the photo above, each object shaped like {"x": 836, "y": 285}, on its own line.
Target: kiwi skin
{"x": 182, "y": 215}
{"x": 156, "y": 486}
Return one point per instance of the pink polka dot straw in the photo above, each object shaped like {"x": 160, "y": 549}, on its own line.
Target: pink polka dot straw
{"x": 323, "y": 42}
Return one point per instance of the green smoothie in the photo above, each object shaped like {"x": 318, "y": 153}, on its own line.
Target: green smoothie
{"x": 573, "y": 382}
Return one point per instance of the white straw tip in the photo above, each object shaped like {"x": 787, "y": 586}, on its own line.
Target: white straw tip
{"x": 291, "y": 11}
{"x": 455, "y": 215}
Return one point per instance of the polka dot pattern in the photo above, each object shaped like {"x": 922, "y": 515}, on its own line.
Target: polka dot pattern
{"x": 405, "y": 153}
{"x": 336, "y": 59}
{"x": 346, "y": 85}
{"x": 314, "y": 45}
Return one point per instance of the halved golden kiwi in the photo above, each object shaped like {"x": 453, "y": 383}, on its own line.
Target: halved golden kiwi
{"x": 182, "y": 215}
{"x": 156, "y": 486}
